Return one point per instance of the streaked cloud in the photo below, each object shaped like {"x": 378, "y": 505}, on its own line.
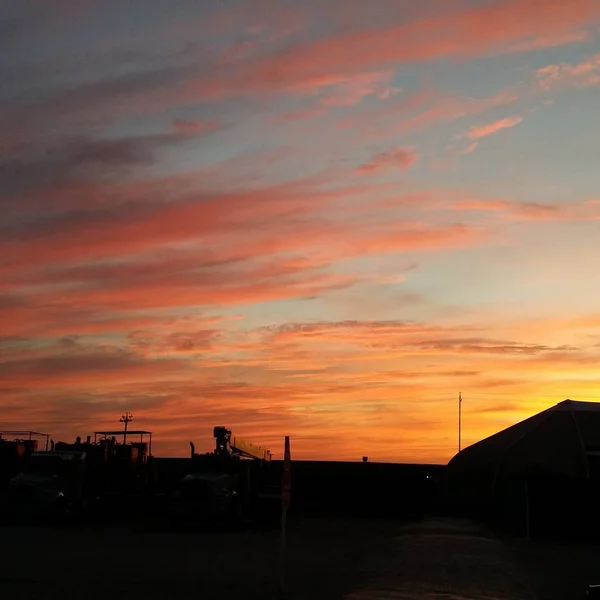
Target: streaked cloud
{"x": 461, "y": 32}
{"x": 588, "y": 210}
{"x": 478, "y": 132}
{"x": 184, "y": 126}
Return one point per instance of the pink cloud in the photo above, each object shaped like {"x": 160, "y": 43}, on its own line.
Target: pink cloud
{"x": 400, "y": 158}
{"x": 449, "y": 108}
{"x": 347, "y": 60}
{"x": 335, "y": 91}
{"x": 288, "y": 217}
{"x": 477, "y": 132}
{"x": 497, "y": 27}
{"x": 358, "y": 87}
{"x": 470, "y": 148}
{"x": 587, "y": 210}
{"x": 300, "y": 114}
{"x": 185, "y": 126}
{"x": 421, "y": 110}
{"x": 583, "y": 74}
{"x": 256, "y": 272}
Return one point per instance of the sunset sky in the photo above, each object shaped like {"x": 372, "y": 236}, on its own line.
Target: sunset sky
{"x": 319, "y": 218}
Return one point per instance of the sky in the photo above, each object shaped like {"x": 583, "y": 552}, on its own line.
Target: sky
{"x": 316, "y": 218}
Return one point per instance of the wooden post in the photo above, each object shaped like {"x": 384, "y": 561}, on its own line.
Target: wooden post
{"x": 285, "y": 503}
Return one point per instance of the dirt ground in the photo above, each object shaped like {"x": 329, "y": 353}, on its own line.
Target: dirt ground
{"x": 447, "y": 559}
{"x": 327, "y": 559}
{"x": 323, "y": 560}
{"x": 558, "y": 571}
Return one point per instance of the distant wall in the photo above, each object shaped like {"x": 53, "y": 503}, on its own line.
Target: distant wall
{"x": 372, "y": 489}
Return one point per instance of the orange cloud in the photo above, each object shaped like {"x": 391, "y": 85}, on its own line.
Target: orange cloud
{"x": 107, "y": 366}
{"x": 389, "y": 376}
{"x": 45, "y": 317}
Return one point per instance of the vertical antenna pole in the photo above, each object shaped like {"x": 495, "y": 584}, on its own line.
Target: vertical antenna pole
{"x": 126, "y": 418}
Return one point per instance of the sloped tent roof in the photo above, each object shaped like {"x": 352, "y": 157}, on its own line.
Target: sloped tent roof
{"x": 560, "y": 441}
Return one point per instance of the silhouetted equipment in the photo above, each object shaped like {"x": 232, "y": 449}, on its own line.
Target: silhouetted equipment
{"x": 15, "y": 447}
{"x": 223, "y": 486}
{"x": 126, "y": 419}
{"x": 237, "y": 481}
{"x": 144, "y": 447}
{"x": 236, "y": 446}
{"x": 365, "y": 459}
{"x": 24, "y": 436}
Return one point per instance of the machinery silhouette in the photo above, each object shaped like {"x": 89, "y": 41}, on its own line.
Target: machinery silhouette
{"x": 229, "y": 485}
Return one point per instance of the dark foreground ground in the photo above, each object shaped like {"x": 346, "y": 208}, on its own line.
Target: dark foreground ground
{"x": 350, "y": 559}
{"x": 558, "y": 571}
{"x": 323, "y": 560}
{"x": 447, "y": 559}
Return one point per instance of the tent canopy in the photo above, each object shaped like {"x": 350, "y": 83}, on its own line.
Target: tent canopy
{"x": 563, "y": 440}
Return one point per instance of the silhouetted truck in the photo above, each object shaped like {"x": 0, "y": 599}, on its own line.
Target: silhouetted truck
{"x": 207, "y": 497}
{"x": 12, "y": 456}
{"x": 51, "y": 483}
{"x": 100, "y": 478}
{"x": 15, "y": 447}
{"x": 113, "y": 468}
{"x": 118, "y": 480}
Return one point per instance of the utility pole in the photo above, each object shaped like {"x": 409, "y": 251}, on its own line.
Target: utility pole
{"x": 459, "y": 419}
{"x": 126, "y": 418}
